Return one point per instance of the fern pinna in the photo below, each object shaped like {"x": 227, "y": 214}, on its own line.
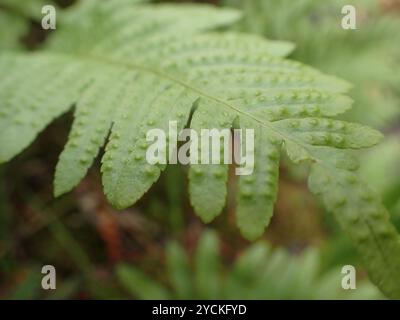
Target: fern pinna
{"x": 128, "y": 68}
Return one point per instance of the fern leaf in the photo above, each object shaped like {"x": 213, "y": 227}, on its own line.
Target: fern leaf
{"x": 89, "y": 130}
{"x": 228, "y": 74}
{"x": 126, "y": 173}
{"x": 210, "y": 177}
{"x": 257, "y": 192}
{"x": 30, "y": 101}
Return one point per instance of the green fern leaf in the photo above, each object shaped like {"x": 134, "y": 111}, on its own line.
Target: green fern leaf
{"x": 231, "y": 77}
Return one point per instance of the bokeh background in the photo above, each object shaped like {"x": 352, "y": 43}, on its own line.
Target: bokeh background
{"x": 159, "y": 248}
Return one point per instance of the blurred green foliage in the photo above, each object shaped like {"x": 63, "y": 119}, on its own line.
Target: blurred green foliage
{"x": 381, "y": 166}
{"x": 258, "y": 273}
{"x": 16, "y": 18}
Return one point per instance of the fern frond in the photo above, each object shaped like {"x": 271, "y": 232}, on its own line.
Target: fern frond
{"x": 110, "y": 88}
{"x": 132, "y": 68}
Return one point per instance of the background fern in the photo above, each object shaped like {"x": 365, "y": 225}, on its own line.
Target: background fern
{"x": 253, "y": 275}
